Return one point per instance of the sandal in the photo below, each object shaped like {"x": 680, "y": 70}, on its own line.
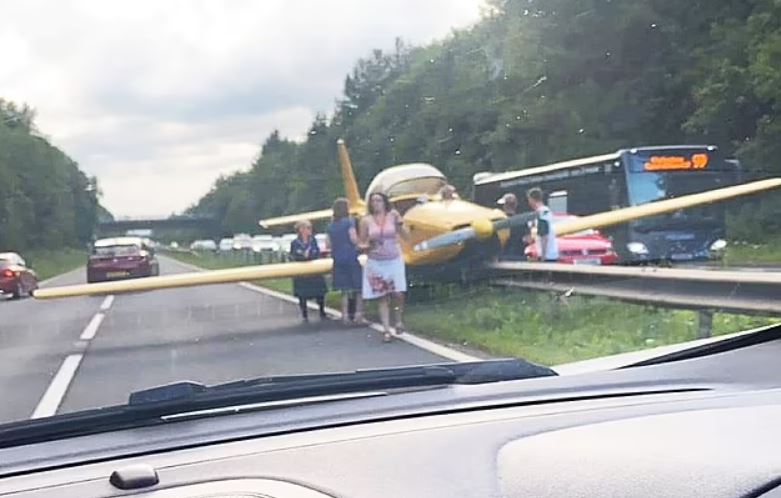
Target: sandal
{"x": 387, "y": 337}
{"x": 400, "y": 328}
{"x": 361, "y": 321}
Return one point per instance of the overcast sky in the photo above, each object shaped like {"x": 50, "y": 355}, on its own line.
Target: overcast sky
{"x": 158, "y": 97}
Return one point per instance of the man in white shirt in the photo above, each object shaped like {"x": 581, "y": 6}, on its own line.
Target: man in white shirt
{"x": 547, "y": 246}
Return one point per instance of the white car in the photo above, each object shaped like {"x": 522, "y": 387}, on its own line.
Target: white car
{"x": 203, "y": 245}
{"x": 242, "y": 242}
{"x": 226, "y": 245}
{"x": 263, "y": 243}
{"x": 284, "y": 244}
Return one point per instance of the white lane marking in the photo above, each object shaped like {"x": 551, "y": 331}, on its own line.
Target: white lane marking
{"x": 425, "y": 344}
{"x": 107, "y": 303}
{"x": 55, "y": 393}
{"x": 53, "y": 396}
{"x": 92, "y": 327}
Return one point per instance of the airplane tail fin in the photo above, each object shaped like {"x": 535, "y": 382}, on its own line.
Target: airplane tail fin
{"x": 348, "y": 177}
{"x": 357, "y": 205}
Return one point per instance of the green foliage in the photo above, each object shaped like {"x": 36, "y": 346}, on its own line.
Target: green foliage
{"x": 534, "y": 326}
{"x": 46, "y": 201}
{"x": 538, "y": 81}
{"x": 741, "y": 253}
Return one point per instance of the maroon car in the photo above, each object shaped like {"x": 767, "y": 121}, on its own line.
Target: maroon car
{"x": 120, "y": 258}
{"x": 16, "y": 278}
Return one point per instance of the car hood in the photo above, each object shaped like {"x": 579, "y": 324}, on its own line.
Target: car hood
{"x": 583, "y": 242}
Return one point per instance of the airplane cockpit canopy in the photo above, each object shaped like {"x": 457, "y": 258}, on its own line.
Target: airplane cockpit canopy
{"x": 407, "y": 179}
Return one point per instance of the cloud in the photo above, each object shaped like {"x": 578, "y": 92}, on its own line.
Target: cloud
{"x": 159, "y": 98}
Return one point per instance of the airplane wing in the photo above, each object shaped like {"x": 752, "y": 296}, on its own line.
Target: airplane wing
{"x": 600, "y": 220}
{"x": 292, "y": 219}
{"x": 231, "y": 275}
{"x": 482, "y": 229}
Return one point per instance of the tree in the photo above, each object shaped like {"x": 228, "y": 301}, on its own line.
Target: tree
{"x": 46, "y": 201}
{"x": 537, "y": 81}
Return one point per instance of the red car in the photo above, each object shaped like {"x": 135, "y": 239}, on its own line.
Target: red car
{"x": 120, "y": 258}
{"x": 588, "y": 247}
{"x": 16, "y": 278}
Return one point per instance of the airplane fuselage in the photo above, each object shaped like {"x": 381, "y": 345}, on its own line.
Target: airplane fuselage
{"x": 436, "y": 217}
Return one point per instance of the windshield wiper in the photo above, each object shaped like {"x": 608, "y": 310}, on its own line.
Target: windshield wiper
{"x": 159, "y": 404}
{"x": 286, "y": 386}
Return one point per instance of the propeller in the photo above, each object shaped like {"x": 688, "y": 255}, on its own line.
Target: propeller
{"x": 479, "y": 229}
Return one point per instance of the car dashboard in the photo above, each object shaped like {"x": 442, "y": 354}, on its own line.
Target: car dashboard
{"x": 705, "y": 426}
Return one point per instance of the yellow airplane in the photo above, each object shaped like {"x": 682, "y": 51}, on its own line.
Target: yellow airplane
{"x": 443, "y": 232}
{"x": 415, "y": 190}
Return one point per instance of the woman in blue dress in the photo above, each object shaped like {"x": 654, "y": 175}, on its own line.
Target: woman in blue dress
{"x": 347, "y": 272}
{"x": 305, "y": 248}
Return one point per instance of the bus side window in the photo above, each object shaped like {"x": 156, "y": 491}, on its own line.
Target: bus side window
{"x": 557, "y": 201}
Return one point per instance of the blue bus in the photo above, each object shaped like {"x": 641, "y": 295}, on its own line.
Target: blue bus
{"x": 631, "y": 177}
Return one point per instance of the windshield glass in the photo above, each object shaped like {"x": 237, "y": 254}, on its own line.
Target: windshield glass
{"x": 113, "y": 251}
{"x": 647, "y": 184}
{"x": 9, "y": 258}
{"x": 211, "y": 191}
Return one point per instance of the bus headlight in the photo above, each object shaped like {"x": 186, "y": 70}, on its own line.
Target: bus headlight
{"x": 637, "y": 248}
{"x": 718, "y": 245}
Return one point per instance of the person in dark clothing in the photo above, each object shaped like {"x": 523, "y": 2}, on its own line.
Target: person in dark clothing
{"x": 515, "y": 248}
{"x": 305, "y": 248}
{"x": 347, "y": 272}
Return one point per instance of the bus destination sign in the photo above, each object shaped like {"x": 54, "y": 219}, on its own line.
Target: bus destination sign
{"x": 676, "y": 163}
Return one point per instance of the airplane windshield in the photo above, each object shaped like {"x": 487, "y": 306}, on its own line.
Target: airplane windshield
{"x": 211, "y": 191}
{"x": 422, "y": 186}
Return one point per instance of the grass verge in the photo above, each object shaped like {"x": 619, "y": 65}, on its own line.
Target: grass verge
{"x": 49, "y": 263}
{"x": 743, "y": 253}
{"x": 532, "y": 325}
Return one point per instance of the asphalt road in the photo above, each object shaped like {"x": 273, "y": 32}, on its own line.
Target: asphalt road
{"x": 71, "y": 354}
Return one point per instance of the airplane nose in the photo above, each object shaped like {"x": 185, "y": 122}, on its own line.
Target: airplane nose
{"x": 483, "y": 228}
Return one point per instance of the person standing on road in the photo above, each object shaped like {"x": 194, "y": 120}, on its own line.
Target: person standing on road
{"x": 547, "y": 246}
{"x": 347, "y": 273}
{"x": 384, "y": 275}
{"x": 515, "y": 248}
{"x": 305, "y": 248}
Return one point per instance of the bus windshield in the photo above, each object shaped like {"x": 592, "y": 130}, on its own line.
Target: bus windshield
{"x": 649, "y": 182}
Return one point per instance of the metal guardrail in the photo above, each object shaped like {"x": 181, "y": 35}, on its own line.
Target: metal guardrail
{"x": 735, "y": 291}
